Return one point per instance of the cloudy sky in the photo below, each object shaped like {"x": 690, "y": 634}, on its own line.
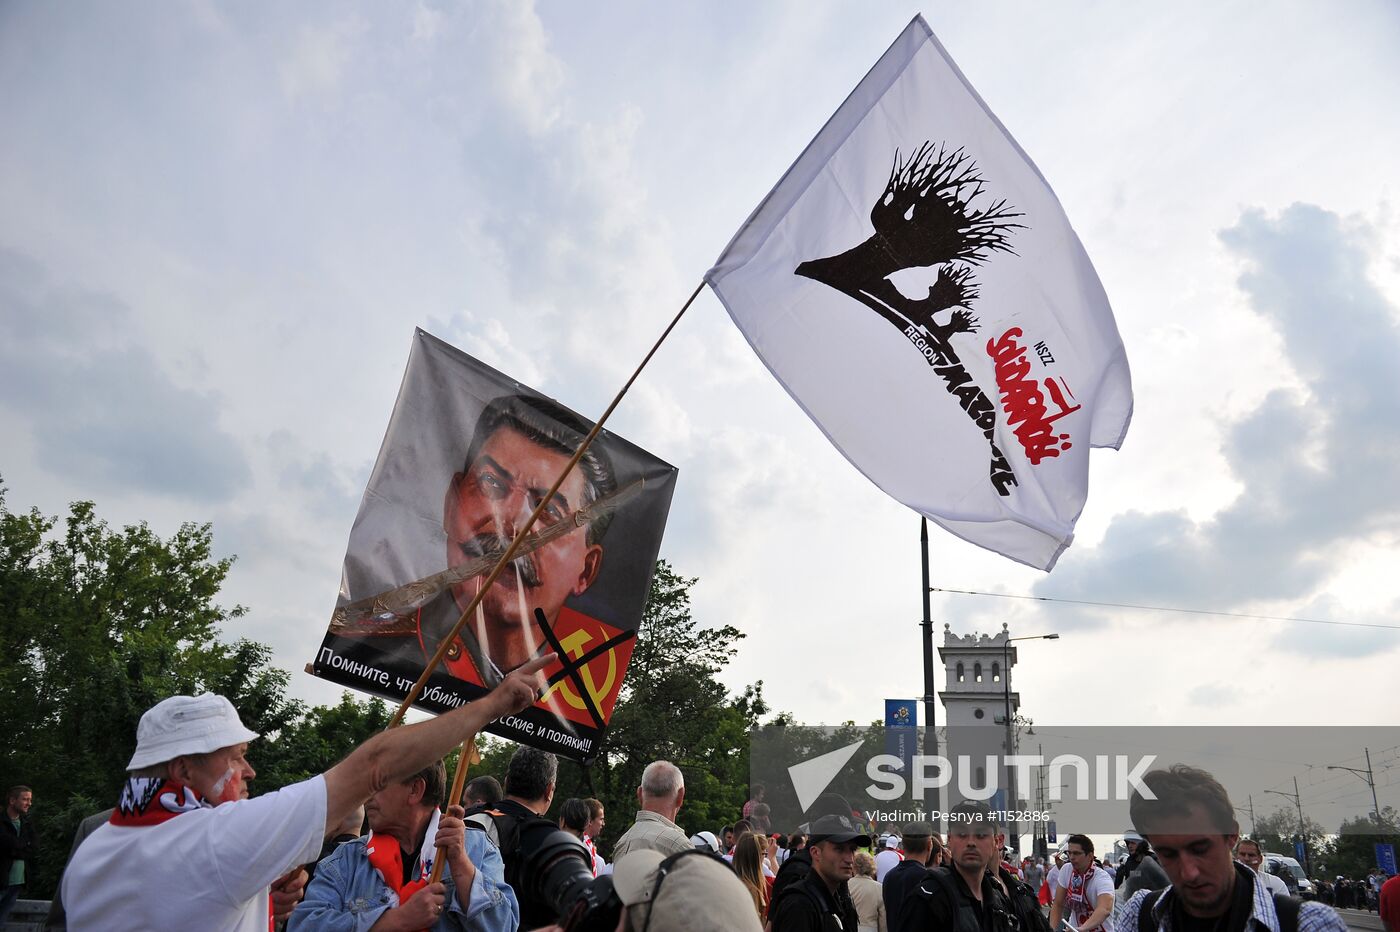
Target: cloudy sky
{"x": 220, "y": 223}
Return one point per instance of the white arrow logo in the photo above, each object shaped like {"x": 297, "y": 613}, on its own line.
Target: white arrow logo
{"x": 811, "y": 777}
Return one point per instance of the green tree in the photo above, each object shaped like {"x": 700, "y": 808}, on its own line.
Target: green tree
{"x": 1279, "y": 829}
{"x": 1352, "y": 851}
{"x": 96, "y": 626}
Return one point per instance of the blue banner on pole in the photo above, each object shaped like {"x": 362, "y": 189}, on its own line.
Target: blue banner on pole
{"x": 1050, "y": 835}
{"x": 1300, "y": 851}
{"x": 902, "y": 731}
{"x": 1385, "y": 857}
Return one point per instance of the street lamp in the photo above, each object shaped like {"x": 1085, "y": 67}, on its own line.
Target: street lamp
{"x": 1370, "y": 779}
{"x": 1006, "y": 694}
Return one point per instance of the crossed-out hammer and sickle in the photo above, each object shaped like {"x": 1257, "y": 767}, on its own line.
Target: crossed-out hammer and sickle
{"x": 574, "y": 662}
{"x": 574, "y": 645}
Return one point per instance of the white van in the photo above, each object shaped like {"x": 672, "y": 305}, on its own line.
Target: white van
{"x": 1291, "y": 871}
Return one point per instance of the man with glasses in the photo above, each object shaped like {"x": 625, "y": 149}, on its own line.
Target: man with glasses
{"x": 1084, "y": 891}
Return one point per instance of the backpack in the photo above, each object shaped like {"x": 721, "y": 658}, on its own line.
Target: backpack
{"x": 1287, "y": 908}
{"x": 1025, "y": 905}
{"x": 503, "y": 829}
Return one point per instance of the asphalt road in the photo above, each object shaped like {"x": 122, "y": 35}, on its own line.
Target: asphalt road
{"x": 1360, "y": 919}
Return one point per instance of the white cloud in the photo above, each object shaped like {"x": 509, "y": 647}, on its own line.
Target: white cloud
{"x": 317, "y": 61}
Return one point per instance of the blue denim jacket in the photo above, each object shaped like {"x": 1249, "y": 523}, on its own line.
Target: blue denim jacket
{"x": 348, "y": 895}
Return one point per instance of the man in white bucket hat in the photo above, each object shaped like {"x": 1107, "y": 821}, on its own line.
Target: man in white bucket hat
{"x": 187, "y": 849}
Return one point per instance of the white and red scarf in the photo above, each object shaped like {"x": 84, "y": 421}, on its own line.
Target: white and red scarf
{"x": 151, "y": 801}
{"x": 1077, "y": 899}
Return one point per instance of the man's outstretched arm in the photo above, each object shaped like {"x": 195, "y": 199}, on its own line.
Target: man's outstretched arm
{"x": 399, "y": 753}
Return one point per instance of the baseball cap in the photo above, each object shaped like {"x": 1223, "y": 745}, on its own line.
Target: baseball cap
{"x": 186, "y": 725}
{"x": 690, "y": 892}
{"x": 1131, "y": 835}
{"x": 891, "y": 841}
{"x": 839, "y": 829}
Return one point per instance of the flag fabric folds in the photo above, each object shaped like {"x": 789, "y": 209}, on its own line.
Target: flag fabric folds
{"x": 915, "y": 285}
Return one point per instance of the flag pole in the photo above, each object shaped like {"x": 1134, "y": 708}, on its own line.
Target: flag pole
{"x": 454, "y": 797}
{"x": 520, "y": 535}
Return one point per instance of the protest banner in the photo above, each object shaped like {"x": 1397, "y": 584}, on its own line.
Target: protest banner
{"x": 915, "y": 285}
{"x": 468, "y": 454}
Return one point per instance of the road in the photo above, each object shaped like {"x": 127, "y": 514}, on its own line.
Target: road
{"x": 1361, "y": 920}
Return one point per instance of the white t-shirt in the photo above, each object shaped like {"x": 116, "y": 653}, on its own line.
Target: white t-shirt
{"x": 207, "y": 869}
{"x": 1272, "y": 883}
{"x": 1099, "y": 883}
{"x": 887, "y": 860}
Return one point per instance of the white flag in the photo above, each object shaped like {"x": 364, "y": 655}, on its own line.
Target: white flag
{"x": 914, "y": 284}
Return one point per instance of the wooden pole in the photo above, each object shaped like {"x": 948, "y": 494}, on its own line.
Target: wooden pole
{"x": 454, "y": 796}
{"x": 509, "y": 555}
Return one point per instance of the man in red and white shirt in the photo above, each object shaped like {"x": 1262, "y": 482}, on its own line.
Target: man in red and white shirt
{"x": 1084, "y": 891}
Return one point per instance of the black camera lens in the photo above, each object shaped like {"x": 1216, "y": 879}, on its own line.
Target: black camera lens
{"x": 558, "y": 870}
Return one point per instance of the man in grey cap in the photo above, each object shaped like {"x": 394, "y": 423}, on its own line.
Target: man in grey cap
{"x": 187, "y": 849}
{"x": 814, "y": 902}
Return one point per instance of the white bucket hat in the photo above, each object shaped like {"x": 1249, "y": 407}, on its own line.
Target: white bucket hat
{"x": 186, "y": 725}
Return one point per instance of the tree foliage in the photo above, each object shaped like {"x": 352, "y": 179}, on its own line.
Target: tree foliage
{"x": 96, "y": 626}
{"x": 1352, "y": 851}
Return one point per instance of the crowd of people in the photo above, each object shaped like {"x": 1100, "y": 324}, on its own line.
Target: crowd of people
{"x": 187, "y": 848}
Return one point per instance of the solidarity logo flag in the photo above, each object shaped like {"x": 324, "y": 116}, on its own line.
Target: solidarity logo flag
{"x": 468, "y": 455}
{"x": 914, "y": 284}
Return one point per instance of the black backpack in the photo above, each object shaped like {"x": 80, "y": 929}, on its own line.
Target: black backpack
{"x": 503, "y": 830}
{"x": 1287, "y": 908}
{"x": 1025, "y": 904}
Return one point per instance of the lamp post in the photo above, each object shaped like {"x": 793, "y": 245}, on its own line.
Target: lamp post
{"x": 1302, "y": 830}
{"x": 1006, "y": 694}
{"x": 1370, "y": 779}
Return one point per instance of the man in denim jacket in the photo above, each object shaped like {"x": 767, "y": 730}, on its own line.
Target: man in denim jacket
{"x": 380, "y": 880}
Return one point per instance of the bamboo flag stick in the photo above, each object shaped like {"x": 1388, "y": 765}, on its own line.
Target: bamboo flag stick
{"x": 509, "y": 555}
{"x": 468, "y": 746}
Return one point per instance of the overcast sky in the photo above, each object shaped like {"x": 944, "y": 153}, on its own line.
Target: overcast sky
{"x": 220, "y": 223}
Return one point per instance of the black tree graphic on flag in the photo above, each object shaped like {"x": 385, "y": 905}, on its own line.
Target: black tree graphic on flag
{"x": 926, "y": 217}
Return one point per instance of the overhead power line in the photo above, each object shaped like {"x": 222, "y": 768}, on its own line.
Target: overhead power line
{"x": 1163, "y": 608}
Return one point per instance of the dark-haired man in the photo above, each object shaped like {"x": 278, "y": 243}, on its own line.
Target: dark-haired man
{"x": 381, "y": 880}
{"x": 964, "y": 897}
{"x": 820, "y": 901}
{"x": 530, "y": 781}
{"x": 1192, "y": 826}
{"x": 18, "y": 848}
{"x": 920, "y": 845}
{"x": 1084, "y": 893}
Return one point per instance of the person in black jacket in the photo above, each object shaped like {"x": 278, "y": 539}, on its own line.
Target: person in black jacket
{"x": 820, "y": 902}
{"x": 921, "y": 847}
{"x": 18, "y": 848}
{"x": 964, "y": 897}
